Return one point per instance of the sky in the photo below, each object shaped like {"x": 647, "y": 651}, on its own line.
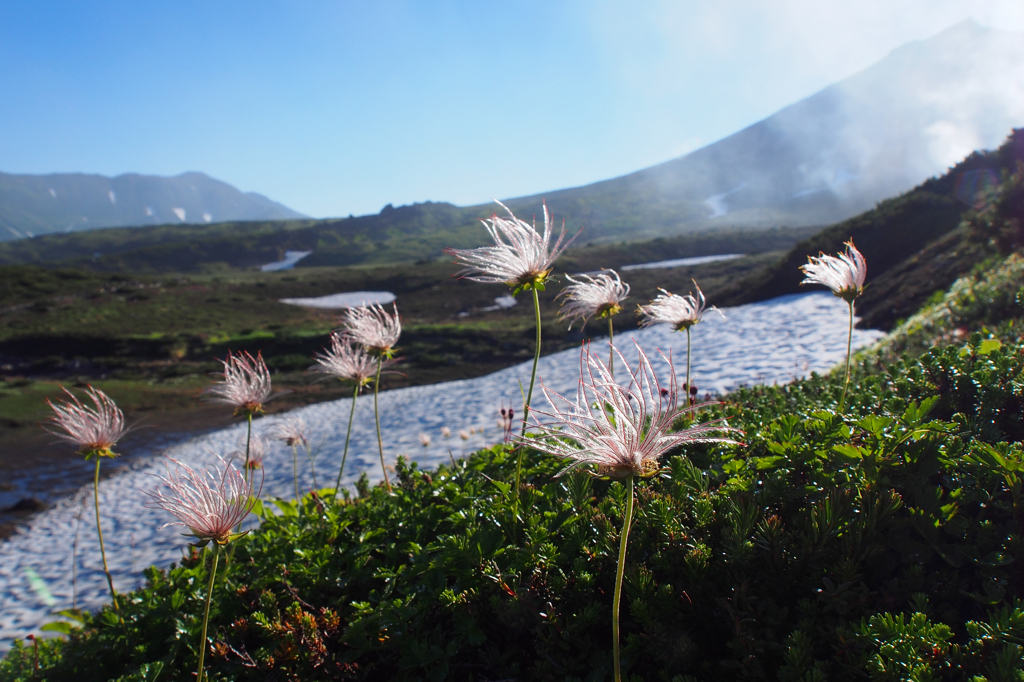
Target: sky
{"x": 338, "y": 108}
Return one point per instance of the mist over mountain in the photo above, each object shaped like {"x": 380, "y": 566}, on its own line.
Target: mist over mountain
{"x": 882, "y": 131}
{"x": 68, "y": 202}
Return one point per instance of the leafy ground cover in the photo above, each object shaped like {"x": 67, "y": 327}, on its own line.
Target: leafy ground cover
{"x": 882, "y": 543}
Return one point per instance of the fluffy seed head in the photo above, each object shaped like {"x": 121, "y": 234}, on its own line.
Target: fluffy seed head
{"x": 620, "y": 430}
{"x": 520, "y": 257}
{"x": 94, "y": 429}
{"x": 246, "y": 383}
{"x": 682, "y": 312}
{"x": 258, "y": 447}
{"x": 843, "y": 274}
{"x": 346, "y": 362}
{"x": 209, "y": 503}
{"x": 373, "y": 328}
{"x": 599, "y": 295}
{"x": 291, "y": 430}
{"x": 425, "y": 440}
{"x": 446, "y": 432}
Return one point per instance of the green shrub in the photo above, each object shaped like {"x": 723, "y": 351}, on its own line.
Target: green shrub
{"x": 881, "y": 544}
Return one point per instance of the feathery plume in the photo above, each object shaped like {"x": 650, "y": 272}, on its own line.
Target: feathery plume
{"x": 291, "y": 430}
{"x": 209, "y": 504}
{"x": 246, "y": 383}
{"x": 373, "y": 328}
{"x": 682, "y": 312}
{"x": 599, "y": 295}
{"x": 346, "y": 362}
{"x": 620, "y": 430}
{"x": 94, "y": 429}
{"x": 843, "y": 274}
{"x": 520, "y": 257}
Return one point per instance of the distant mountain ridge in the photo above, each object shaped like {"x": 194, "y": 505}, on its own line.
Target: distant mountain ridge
{"x": 822, "y": 160}
{"x": 877, "y": 133}
{"x": 32, "y": 205}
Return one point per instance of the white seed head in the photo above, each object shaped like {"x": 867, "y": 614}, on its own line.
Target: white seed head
{"x": 345, "y": 361}
{"x": 682, "y": 312}
{"x": 620, "y": 430}
{"x": 446, "y": 432}
{"x": 94, "y": 429}
{"x": 291, "y": 430}
{"x": 246, "y": 383}
{"x": 520, "y": 256}
{"x": 424, "y": 440}
{"x": 209, "y": 503}
{"x": 843, "y": 274}
{"x": 463, "y": 434}
{"x": 373, "y": 328}
{"x": 601, "y": 295}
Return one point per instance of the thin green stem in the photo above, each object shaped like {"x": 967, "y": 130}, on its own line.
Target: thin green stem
{"x": 312, "y": 465}
{"x": 99, "y": 531}
{"x": 376, "y": 414}
{"x": 248, "y": 441}
{"x": 617, "y": 600}
{"x": 536, "y": 359}
{"x": 687, "y": 365}
{"x": 295, "y": 470}
{"x": 526, "y": 407}
{"x": 348, "y": 433}
{"x": 206, "y": 615}
{"x": 611, "y": 348}
{"x": 849, "y": 346}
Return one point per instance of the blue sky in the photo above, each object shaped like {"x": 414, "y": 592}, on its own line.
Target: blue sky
{"x": 341, "y": 107}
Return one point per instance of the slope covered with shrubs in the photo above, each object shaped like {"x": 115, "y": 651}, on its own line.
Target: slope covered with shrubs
{"x": 883, "y": 543}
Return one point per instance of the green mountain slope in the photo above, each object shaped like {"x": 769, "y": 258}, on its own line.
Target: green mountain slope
{"x": 915, "y": 244}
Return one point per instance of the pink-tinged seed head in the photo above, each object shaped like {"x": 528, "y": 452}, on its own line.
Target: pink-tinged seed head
{"x": 210, "y": 503}
{"x": 620, "y": 430}
{"x": 346, "y": 362}
{"x": 246, "y": 383}
{"x": 93, "y": 429}
{"x": 373, "y": 328}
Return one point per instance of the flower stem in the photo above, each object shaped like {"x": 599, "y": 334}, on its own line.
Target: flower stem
{"x": 611, "y": 348}
{"x": 849, "y": 346}
{"x": 295, "y": 471}
{"x": 617, "y": 600}
{"x": 344, "y": 454}
{"x": 376, "y": 414}
{"x": 526, "y": 407}
{"x": 248, "y": 440}
{"x": 312, "y": 465}
{"x": 99, "y": 531}
{"x": 536, "y": 359}
{"x": 206, "y": 615}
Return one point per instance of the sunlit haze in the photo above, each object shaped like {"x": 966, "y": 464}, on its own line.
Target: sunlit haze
{"x": 339, "y": 108}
